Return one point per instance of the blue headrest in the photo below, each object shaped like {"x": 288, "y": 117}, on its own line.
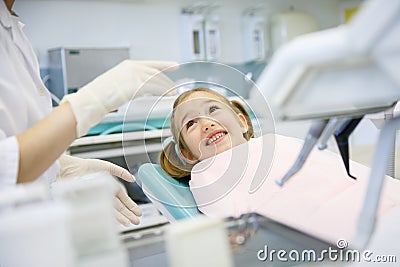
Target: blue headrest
{"x": 172, "y": 197}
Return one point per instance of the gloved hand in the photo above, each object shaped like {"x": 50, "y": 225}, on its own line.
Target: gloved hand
{"x": 116, "y": 87}
{"x": 127, "y": 211}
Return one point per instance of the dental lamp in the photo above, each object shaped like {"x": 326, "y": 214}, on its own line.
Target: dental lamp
{"x": 338, "y": 75}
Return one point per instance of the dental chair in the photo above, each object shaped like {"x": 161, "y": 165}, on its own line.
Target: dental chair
{"x": 175, "y": 201}
{"x": 170, "y": 196}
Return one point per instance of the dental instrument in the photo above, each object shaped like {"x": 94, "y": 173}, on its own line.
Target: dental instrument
{"x": 312, "y": 137}
{"x": 342, "y": 140}
{"x": 330, "y": 128}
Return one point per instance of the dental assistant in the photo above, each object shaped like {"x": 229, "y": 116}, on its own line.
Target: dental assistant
{"x": 34, "y": 136}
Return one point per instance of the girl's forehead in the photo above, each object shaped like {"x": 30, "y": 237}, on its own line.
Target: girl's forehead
{"x": 192, "y": 105}
{"x": 201, "y": 95}
{"x": 196, "y": 100}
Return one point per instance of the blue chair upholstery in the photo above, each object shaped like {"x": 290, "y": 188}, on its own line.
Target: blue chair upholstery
{"x": 173, "y": 198}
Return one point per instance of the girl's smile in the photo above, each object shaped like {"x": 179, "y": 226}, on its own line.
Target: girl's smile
{"x": 216, "y": 137}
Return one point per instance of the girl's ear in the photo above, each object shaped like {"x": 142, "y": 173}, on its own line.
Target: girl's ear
{"x": 187, "y": 156}
{"x": 243, "y": 123}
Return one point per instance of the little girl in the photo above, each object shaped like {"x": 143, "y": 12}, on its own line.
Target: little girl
{"x": 203, "y": 124}
{"x": 232, "y": 173}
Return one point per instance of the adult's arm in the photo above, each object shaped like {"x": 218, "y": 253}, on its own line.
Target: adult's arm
{"x": 43, "y": 143}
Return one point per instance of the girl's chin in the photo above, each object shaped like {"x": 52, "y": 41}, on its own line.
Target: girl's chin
{"x": 218, "y": 150}
{"x": 221, "y": 147}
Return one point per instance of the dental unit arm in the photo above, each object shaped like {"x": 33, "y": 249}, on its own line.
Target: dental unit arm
{"x": 341, "y": 73}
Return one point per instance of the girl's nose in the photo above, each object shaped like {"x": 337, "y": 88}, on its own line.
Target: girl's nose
{"x": 206, "y": 125}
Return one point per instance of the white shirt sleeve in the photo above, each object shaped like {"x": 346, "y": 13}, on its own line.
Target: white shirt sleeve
{"x": 9, "y": 159}
{"x": 24, "y": 100}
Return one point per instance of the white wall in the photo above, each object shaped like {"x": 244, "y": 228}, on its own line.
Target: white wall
{"x": 102, "y": 23}
{"x": 149, "y": 27}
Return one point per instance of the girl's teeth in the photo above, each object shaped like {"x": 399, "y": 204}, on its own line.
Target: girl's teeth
{"x": 215, "y": 137}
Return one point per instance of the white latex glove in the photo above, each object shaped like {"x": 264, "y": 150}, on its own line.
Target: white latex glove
{"x": 127, "y": 211}
{"x": 116, "y": 87}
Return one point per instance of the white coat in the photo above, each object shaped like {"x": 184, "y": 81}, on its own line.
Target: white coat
{"x": 24, "y": 99}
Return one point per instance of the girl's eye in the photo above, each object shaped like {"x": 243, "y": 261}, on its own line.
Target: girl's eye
{"x": 213, "y": 108}
{"x": 189, "y": 124}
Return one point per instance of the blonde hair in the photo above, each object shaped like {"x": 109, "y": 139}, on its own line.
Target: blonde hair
{"x": 173, "y": 163}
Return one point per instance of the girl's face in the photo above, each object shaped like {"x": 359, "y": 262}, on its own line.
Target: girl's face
{"x": 208, "y": 126}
